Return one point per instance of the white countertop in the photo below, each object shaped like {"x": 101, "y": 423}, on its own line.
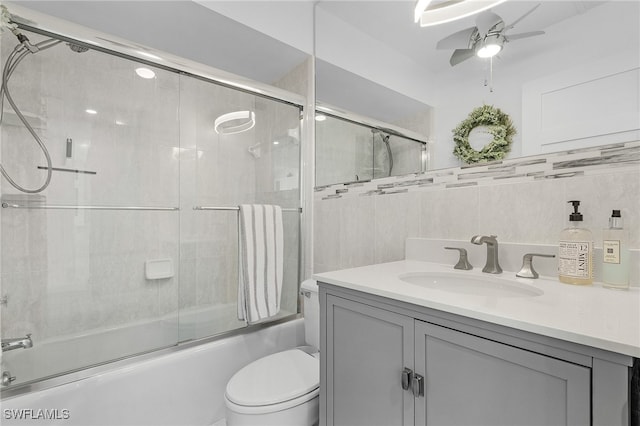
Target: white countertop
{"x": 590, "y": 315}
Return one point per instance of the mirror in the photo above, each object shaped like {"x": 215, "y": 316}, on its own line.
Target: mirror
{"x": 352, "y": 152}
{"x": 376, "y": 132}
{"x": 574, "y": 86}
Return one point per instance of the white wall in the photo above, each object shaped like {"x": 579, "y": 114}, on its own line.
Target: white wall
{"x": 290, "y": 21}
{"x": 341, "y": 44}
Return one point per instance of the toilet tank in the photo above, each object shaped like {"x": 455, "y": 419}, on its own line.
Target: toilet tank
{"x": 309, "y": 290}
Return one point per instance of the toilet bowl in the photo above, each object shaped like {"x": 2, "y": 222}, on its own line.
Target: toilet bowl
{"x": 281, "y": 389}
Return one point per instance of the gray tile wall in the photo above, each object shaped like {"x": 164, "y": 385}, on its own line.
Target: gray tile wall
{"x": 521, "y": 201}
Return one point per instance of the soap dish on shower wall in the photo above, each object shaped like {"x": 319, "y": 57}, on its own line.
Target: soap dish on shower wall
{"x": 158, "y": 269}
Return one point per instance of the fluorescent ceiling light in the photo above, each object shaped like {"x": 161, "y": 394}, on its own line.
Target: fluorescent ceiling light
{"x": 451, "y": 11}
{"x": 91, "y": 111}
{"x": 145, "y": 72}
{"x": 235, "y": 122}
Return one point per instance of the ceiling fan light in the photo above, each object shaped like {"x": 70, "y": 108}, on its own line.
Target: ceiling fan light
{"x": 451, "y": 11}
{"x": 421, "y": 6}
{"x": 489, "y": 50}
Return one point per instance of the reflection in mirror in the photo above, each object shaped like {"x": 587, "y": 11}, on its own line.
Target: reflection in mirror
{"x": 349, "y": 91}
{"x": 384, "y": 133}
{"x": 574, "y": 86}
{"x": 348, "y": 151}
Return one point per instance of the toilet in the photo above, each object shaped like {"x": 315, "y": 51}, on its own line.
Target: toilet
{"x": 281, "y": 389}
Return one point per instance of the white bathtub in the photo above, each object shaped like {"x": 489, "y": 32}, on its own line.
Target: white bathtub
{"x": 185, "y": 387}
{"x": 67, "y": 353}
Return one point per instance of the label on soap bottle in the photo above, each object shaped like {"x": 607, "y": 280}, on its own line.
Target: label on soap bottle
{"x": 611, "y": 251}
{"x": 574, "y": 259}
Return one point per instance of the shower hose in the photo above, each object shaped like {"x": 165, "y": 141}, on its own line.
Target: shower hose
{"x": 23, "y": 49}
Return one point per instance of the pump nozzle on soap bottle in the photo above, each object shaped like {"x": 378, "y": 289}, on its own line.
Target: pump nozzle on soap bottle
{"x": 575, "y": 252}
{"x": 576, "y": 216}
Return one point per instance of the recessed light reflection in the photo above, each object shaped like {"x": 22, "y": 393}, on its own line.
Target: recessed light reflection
{"x": 320, "y": 117}
{"x": 120, "y": 123}
{"x": 90, "y": 111}
{"x": 276, "y": 143}
{"x": 145, "y": 72}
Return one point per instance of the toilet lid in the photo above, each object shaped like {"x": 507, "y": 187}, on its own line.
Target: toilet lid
{"x": 274, "y": 379}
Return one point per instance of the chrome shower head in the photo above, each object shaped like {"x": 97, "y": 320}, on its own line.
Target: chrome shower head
{"x": 77, "y": 48}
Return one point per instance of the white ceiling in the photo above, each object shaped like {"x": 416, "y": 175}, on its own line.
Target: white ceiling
{"x": 391, "y": 22}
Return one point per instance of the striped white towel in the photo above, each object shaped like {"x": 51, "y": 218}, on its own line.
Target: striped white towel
{"x": 261, "y": 261}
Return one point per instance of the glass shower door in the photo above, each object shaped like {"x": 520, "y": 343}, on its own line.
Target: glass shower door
{"x": 80, "y": 260}
{"x": 238, "y": 148}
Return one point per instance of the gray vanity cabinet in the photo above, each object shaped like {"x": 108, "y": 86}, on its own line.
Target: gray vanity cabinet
{"x": 467, "y": 380}
{"x": 475, "y": 381}
{"x": 367, "y": 350}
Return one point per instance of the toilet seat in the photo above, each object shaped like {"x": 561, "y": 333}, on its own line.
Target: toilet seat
{"x": 274, "y": 383}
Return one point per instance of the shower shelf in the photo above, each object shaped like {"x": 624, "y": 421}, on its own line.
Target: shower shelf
{"x": 6, "y": 205}
{"x": 236, "y": 208}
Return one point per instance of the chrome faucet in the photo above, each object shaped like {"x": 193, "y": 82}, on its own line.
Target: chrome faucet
{"x": 20, "y": 342}
{"x": 492, "y": 266}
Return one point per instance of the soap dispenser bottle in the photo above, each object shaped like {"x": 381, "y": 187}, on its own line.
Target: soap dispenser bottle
{"x": 575, "y": 253}
{"x": 615, "y": 256}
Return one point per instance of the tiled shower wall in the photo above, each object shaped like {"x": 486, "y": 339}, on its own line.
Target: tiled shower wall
{"x": 69, "y": 271}
{"x": 520, "y": 201}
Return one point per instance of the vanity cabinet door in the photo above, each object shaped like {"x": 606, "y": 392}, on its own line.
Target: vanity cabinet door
{"x": 475, "y": 381}
{"x": 366, "y": 352}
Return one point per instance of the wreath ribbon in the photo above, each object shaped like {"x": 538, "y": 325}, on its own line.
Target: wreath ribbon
{"x": 499, "y": 125}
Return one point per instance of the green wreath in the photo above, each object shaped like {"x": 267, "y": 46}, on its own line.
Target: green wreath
{"x": 499, "y": 125}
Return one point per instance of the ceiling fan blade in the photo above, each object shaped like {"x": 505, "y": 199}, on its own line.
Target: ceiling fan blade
{"x": 513, "y": 24}
{"x": 460, "y": 55}
{"x": 511, "y": 37}
{"x": 487, "y": 20}
{"x": 458, "y": 40}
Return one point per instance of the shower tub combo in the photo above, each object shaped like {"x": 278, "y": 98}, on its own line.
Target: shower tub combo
{"x": 180, "y": 387}
{"x": 119, "y": 227}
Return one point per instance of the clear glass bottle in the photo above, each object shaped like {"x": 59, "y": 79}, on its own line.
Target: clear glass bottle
{"x": 615, "y": 255}
{"x": 575, "y": 253}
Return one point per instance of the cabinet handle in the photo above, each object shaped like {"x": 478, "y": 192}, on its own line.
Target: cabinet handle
{"x": 418, "y": 385}
{"x": 407, "y": 375}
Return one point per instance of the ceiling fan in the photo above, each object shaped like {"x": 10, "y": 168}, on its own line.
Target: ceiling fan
{"x": 485, "y": 40}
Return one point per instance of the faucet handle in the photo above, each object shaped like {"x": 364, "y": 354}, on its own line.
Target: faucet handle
{"x": 7, "y": 378}
{"x": 463, "y": 261}
{"x": 527, "y": 270}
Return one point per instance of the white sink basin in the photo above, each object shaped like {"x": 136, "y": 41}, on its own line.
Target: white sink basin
{"x": 472, "y": 285}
